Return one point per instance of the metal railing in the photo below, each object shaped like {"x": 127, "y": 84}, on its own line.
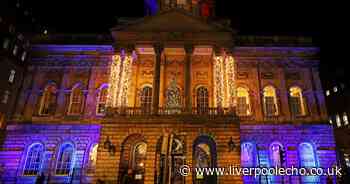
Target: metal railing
{"x": 138, "y": 111}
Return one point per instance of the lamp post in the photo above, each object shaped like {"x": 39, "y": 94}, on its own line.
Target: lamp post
{"x": 110, "y": 146}
{"x": 231, "y": 145}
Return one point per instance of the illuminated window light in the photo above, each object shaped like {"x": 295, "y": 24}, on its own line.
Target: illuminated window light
{"x": 12, "y": 76}
{"x": 328, "y": 93}
{"x": 24, "y": 55}
{"x": 5, "y": 97}
{"x": 335, "y": 89}
{"x": 347, "y": 160}
{"x": 15, "y": 50}
{"x": 330, "y": 121}
{"x": 6, "y": 43}
{"x": 345, "y": 119}
{"x": 337, "y": 119}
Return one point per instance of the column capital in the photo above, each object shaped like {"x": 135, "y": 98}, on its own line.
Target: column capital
{"x": 221, "y": 50}
{"x": 158, "y": 48}
{"x": 189, "y": 48}
{"x": 127, "y": 48}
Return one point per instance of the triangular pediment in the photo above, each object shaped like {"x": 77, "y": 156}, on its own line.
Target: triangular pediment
{"x": 172, "y": 21}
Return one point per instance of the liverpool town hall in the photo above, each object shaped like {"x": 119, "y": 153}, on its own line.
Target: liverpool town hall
{"x": 176, "y": 87}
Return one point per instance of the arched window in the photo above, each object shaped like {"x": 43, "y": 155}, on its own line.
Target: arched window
{"x": 76, "y": 101}
{"x": 270, "y": 101}
{"x": 275, "y": 154}
{"x": 65, "y": 159}
{"x": 48, "y": 101}
{"x": 101, "y": 101}
{"x": 202, "y": 100}
{"x": 296, "y": 101}
{"x": 243, "y": 102}
{"x": 33, "y": 160}
{"x": 204, "y": 156}
{"x": 247, "y": 155}
{"x": 307, "y": 160}
{"x": 146, "y": 99}
{"x": 133, "y": 159}
{"x": 92, "y": 158}
{"x": 139, "y": 156}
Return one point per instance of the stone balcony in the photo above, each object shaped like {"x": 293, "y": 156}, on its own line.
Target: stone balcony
{"x": 176, "y": 114}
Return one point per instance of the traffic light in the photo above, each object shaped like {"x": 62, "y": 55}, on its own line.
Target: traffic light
{"x": 282, "y": 155}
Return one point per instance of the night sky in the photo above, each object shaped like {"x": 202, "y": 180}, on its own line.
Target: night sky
{"x": 295, "y": 18}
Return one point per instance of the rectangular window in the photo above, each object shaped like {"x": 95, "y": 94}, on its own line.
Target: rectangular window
{"x": 12, "y": 76}
{"x": 5, "y": 98}
{"x": 295, "y": 104}
{"x": 270, "y": 107}
{"x": 6, "y": 43}
{"x": 24, "y": 56}
{"x": 15, "y": 50}
{"x": 242, "y": 106}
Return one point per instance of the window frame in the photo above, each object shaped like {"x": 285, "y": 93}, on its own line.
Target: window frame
{"x": 202, "y": 100}
{"x": 79, "y": 103}
{"x": 29, "y": 149}
{"x": 59, "y": 157}
{"x": 103, "y": 88}
{"x": 275, "y": 101}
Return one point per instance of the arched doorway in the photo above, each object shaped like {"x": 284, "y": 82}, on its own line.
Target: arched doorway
{"x": 204, "y": 156}
{"x": 170, "y": 157}
{"x": 132, "y": 160}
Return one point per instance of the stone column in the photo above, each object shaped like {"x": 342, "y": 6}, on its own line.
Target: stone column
{"x": 60, "y": 108}
{"x": 188, "y": 78}
{"x": 30, "y": 107}
{"x": 91, "y": 97}
{"x": 156, "y": 78}
{"x": 25, "y": 91}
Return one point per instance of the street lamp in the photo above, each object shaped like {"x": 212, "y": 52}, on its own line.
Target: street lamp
{"x": 231, "y": 145}
{"x": 110, "y": 146}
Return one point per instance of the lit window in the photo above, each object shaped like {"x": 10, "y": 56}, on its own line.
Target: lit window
{"x": 270, "y": 101}
{"x": 275, "y": 154}
{"x": 15, "y": 50}
{"x": 338, "y": 120}
{"x": 202, "y": 100}
{"x": 92, "y": 158}
{"x": 101, "y": 101}
{"x": 48, "y": 101}
{"x": 76, "y": 101}
{"x": 296, "y": 101}
{"x": 347, "y": 160}
{"x": 243, "y": 102}
{"x": 12, "y": 76}
{"x": 308, "y": 160}
{"x": 34, "y": 159}
{"x": 330, "y": 121}
{"x": 5, "y": 97}
{"x": 345, "y": 119}
{"x": 6, "y": 43}
{"x": 146, "y": 99}
{"x": 247, "y": 155}
{"x": 24, "y": 55}
{"x": 335, "y": 89}
{"x": 139, "y": 156}
{"x": 65, "y": 160}
{"x": 328, "y": 93}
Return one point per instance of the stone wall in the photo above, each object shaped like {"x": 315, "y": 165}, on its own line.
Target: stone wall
{"x": 20, "y": 137}
{"x": 152, "y": 130}
{"x": 290, "y": 137}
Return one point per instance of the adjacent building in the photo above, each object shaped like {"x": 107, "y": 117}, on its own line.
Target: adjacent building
{"x": 173, "y": 88}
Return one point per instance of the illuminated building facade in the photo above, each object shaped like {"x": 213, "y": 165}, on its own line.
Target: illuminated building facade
{"x": 134, "y": 107}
